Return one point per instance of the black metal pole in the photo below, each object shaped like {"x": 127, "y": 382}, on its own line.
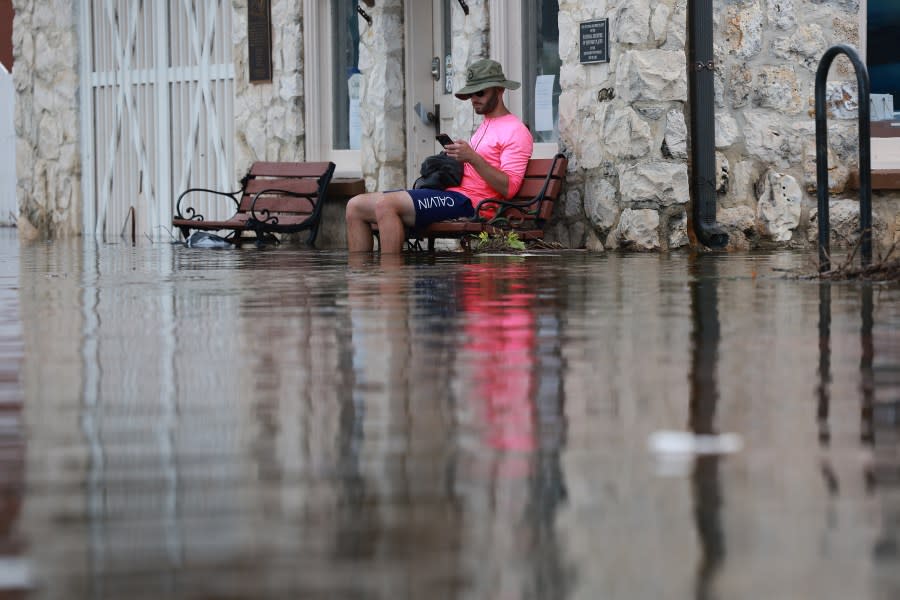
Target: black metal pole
{"x": 701, "y": 68}
{"x": 865, "y": 156}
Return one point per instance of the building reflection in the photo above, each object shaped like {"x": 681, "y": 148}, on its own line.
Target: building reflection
{"x": 510, "y": 405}
{"x": 14, "y": 570}
{"x": 879, "y": 422}
{"x": 704, "y": 398}
{"x": 880, "y": 428}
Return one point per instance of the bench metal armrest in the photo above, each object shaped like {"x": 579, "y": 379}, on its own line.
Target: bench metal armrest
{"x": 190, "y": 214}
{"x": 273, "y": 220}
{"x": 504, "y": 206}
{"x": 523, "y": 207}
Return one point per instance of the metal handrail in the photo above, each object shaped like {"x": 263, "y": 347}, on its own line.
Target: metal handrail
{"x": 865, "y": 158}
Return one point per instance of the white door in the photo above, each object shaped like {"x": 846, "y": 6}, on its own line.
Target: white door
{"x": 158, "y": 90}
{"x": 429, "y": 80}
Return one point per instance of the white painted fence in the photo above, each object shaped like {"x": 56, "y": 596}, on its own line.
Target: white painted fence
{"x": 157, "y": 110}
{"x": 8, "y": 206}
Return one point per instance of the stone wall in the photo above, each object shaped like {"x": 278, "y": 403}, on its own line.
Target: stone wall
{"x": 268, "y": 117}
{"x": 624, "y": 124}
{"x": 768, "y": 52}
{"x": 48, "y": 153}
{"x": 383, "y": 143}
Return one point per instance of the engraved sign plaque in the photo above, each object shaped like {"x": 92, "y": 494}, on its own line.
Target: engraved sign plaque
{"x": 259, "y": 40}
{"x": 594, "y": 41}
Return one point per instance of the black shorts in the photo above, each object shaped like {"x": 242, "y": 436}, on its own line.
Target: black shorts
{"x": 439, "y": 205}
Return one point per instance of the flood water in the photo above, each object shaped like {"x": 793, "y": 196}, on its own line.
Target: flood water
{"x": 190, "y": 423}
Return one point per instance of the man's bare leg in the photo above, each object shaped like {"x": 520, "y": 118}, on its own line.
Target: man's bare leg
{"x": 360, "y": 215}
{"x": 394, "y": 212}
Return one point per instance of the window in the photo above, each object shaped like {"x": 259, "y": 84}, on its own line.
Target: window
{"x": 533, "y": 59}
{"x": 332, "y": 83}
{"x": 882, "y": 58}
{"x": 345, "y": 76}
{"x": 540, "y": 68}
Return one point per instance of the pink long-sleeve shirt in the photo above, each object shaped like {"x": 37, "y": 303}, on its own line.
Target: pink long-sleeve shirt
{"x": 506, "y": 144}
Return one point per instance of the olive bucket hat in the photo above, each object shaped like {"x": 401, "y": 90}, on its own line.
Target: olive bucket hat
{"x": 483, "y": 74}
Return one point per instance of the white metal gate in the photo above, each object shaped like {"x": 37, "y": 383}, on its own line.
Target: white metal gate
{"x": 157, "y": 109}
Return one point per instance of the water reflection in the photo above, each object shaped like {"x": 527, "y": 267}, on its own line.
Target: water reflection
{"x": 879, "y": 426}
{"x": 250, "y": 424}
{"x": 461, "y": 403}
{"x": 704, "y": 398}
{"x": 511, "y": 399}
{"x": 15, "y": 579}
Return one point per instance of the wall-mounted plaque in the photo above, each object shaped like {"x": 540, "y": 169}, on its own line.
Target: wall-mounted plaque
{"x": 594, "y": 41}
{"x": 259, "y": 40}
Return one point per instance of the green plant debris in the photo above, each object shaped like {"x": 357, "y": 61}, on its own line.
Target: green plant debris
{"x": 498, "y": 241}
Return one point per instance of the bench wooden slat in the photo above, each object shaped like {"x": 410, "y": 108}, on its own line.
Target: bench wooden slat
{"x": 538, "y": 167}
{"x": 288, "y": 169}
{"x": 532, "y": 187}
{"x": 881, "y": 179}
{"x": 234, "y": 223}
{"x": 306, "y": 187}
{"x": 285, "y": 204}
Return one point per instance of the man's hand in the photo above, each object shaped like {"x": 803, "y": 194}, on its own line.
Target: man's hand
{"x": 464, "y": 153}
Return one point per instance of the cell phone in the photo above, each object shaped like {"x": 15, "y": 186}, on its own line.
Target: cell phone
{"x": 444, "y": 139}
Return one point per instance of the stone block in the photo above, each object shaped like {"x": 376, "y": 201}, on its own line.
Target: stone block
{"x": 727, "y": 131}
{"x": 806, "y": 46}
{"x": 600, "y": 204}
{"x": 838, "y": 172}
{"x": 778, "y": 88}
{"x": 744, "y": 29}
{"x": 659, "y": 22}
{"x": 632, "y": 23}
{"x": 625, "y": 134}
{"x": 778, "y": 207}
{"x": 657, "y": 183}
{"x": 738, "y": 83}
{"x": 766, "y": 139}
{"x": 675, "y": 140}
{"x": 652, "y": 75}
{"x": 723, "y": 173}
{"x": 677, "y": 235}
{"x": 740, "y": 224}
{"x": 782, "y": 14}
{"x": 638, "y": 229}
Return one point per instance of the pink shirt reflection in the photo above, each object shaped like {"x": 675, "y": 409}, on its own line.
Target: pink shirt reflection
{"x": 500, "y": 333}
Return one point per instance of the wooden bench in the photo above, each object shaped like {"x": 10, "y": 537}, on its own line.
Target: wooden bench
{"x": 526, "y": 214}
{"x": 275, "y": 197}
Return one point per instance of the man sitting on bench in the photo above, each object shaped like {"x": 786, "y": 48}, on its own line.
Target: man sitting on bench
{"x": 494, "y": 162}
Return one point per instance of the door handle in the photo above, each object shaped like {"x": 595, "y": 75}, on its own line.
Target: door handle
{"x": 428, "y": 117}
{"x": 436, "y": 68}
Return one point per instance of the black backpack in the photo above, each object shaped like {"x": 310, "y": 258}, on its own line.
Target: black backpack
{"x": 439, "y": 172}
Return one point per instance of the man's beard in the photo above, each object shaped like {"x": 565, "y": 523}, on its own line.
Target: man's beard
{"x": 491, "y": 104}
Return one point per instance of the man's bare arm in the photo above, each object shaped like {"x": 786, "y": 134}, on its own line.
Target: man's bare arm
{"x": 497, "y": 179}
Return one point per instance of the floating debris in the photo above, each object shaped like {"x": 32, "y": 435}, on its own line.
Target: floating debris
{"x": 202, "y": 239}
{"x": 687, "y": 443}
